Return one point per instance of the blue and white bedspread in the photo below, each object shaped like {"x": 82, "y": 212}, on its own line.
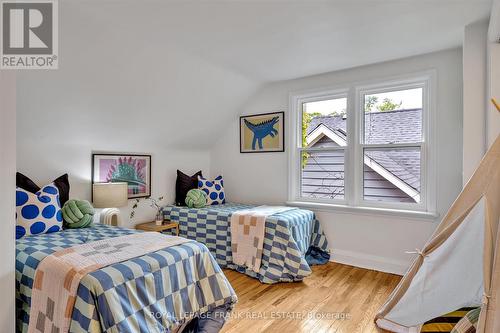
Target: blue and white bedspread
{"x": 290, "y": 238}
{"x": 156, "y": 292}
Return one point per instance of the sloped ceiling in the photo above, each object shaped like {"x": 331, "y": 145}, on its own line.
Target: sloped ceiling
{"x": 175, "y": 73}
{"x": 120, "y": 78}
{"x": 280, "y": 40}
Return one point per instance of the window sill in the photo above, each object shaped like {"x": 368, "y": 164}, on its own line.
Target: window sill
{"x": 328, "y": 207}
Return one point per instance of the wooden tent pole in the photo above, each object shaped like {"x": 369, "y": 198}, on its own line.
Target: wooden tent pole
{"x": 495, "y": 103}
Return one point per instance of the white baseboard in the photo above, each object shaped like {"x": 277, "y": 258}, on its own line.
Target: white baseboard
{"x": 368, "y": 261}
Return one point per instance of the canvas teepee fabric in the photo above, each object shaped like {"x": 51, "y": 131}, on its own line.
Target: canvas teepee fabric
{"x": 460, "y": 265}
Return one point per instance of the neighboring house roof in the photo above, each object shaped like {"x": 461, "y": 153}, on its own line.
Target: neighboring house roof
{"x": 398, "y": 126}
{"x": 400, "y": 167}
{"x": 332, "y": 122}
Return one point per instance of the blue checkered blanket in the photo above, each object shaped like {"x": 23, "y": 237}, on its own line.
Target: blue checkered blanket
{"x": 152, "y": 293}
{"x": 288, "y": 237}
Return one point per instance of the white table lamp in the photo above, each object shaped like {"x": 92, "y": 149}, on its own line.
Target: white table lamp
{"x": 107, "y": 195}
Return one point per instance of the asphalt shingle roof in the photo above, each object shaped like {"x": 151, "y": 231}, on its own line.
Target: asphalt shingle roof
{"x": 332, "y": 122}
{"x": 399, "y": 126}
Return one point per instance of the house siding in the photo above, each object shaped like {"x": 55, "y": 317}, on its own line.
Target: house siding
{"x": 377, "y": 188}
{"x": 323, "y": 174}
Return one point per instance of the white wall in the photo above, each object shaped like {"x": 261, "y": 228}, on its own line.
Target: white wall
{"x": 376, "y": 241}
{"x": 481, "y": 72}
{"x": 45, "y": 160}
{"x": 7, "y": 202}
{"x": 493, "y": 74}
{"x": 474, "y": 80}
{"x": 118, "y": 89}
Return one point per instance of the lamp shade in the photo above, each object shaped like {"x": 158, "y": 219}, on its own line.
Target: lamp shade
{"x": 107, "y": 195}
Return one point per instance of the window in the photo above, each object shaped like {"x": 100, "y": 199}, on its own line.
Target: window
{"x": 323, "y": 149}
{"x": 364, "y": 146}
{"x": 392, "y": 138}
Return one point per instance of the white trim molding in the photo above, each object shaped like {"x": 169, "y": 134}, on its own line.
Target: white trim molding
{"x": 321, "y": 205}
{"x": 321, "y": 131}
{"x": 368, "y": 261}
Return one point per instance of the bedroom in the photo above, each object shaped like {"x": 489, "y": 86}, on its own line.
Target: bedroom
{"x": 381, "y": 113}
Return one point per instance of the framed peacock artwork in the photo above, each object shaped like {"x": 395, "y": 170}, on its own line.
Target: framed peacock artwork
{"x": 262, "y": 133}
{"x": 135, "y": 170}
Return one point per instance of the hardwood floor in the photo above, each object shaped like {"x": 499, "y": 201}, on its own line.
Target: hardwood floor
{"x": 335, "y": 298}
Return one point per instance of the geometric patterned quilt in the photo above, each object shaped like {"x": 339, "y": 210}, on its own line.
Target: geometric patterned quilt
{"x": 288, "y": 236}
{"x": 155, "y": 292}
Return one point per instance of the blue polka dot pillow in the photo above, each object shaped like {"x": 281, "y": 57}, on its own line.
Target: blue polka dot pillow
{"x": 214, "y": 190}
{"x": 38, "y": 213}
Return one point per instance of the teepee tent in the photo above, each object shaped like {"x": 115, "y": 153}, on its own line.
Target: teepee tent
{"x": 460, "y": 265}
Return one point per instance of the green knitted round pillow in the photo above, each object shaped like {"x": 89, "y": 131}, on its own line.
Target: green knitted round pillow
{"x": 196, "y": 198}
{"x": 77, "y": 214}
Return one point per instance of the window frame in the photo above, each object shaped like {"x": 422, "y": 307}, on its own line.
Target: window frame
{"x": 353, "y": 152}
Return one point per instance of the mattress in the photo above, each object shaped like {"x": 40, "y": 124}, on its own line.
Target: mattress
{"x": 293, "y": 239}
{"x": 156, "y": 292}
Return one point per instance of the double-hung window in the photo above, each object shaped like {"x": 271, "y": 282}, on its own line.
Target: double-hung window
{"x": 364, "y": 145}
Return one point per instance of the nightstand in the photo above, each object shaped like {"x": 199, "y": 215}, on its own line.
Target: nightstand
{"x": 151, "y": 226}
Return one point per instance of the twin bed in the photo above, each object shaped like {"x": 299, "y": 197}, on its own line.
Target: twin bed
{"x": 151, "y": 293}
{"x": 293, "y": 239}
{"x": 182, "y": 284}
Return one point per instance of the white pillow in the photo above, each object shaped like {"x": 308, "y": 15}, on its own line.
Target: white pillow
{"x": 38, "y": 213}
{"x": 214, "y": 190}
